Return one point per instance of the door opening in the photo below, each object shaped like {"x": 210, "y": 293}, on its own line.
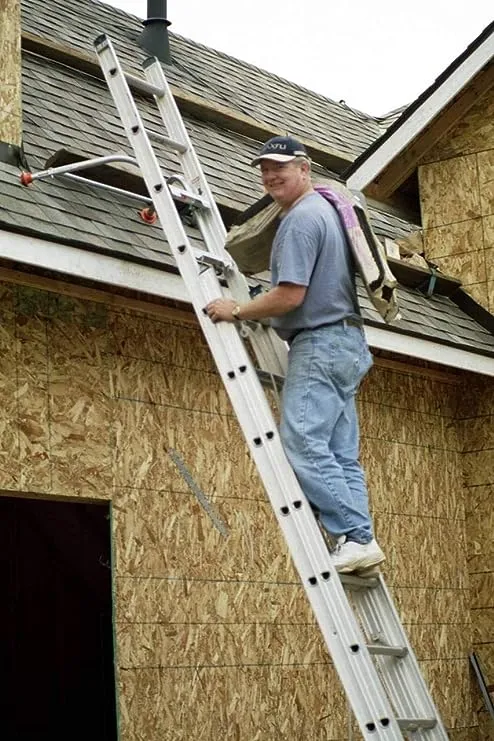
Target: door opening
{"x": 56, "y": 632}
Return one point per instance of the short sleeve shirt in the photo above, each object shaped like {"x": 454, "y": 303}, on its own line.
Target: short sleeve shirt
{"x": 310, "y": 249}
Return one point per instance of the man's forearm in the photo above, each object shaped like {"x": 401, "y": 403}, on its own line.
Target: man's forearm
{"x": 275, "y": 302}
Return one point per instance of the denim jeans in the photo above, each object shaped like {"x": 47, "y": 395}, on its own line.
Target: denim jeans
{"x": 319, "y": 427}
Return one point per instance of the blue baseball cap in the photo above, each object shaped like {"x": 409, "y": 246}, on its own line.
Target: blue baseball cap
{"x": 281, "y": 149}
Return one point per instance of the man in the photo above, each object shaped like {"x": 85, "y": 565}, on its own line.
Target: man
{"x": 313, "y": 306}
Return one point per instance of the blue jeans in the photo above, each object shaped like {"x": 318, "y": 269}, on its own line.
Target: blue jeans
{"x": 319, "y": 427}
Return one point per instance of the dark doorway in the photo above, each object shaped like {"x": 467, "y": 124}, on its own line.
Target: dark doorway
{"x": 56, "y": 636}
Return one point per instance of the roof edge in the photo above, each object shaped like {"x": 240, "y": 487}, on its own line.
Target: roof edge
{"x": 419, "y": 114}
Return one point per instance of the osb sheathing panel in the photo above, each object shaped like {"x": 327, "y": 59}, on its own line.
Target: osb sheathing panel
{"x": 241, "y": 703}
{"x": 473, "y": 133}
{"x": 470, "y": 267}
{"x": 486, "y": 726}
{"x": 464, "y": 734}
{"x": 145, "y": 520}
{"x": 485, "y": 652}
{"x": 480, "y": 531}
{"x": 450, "y": 684}
{"x": 154, "y": 600}
{"x": 112, "y": 393}
{"x": 449, "y": 191}
{"x": 485, "y": 163}
{"x": 482, "y": 589}
{"x": 246, "y": 644}
{"x": 452, "y": 239}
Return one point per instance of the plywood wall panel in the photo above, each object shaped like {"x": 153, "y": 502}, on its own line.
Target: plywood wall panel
{"x": 431, "y": 547}
{"x": 176, "y": 645}
{"x": 470, "y": 266}
{"x": 440, "y": 641}
{"x": 449, "y": 191}
{"x": 481, "y": 539}
{"x": 80, "y": 429}
{"x": 478, "y": 468}
{"x": 206, "y": 704}
{"x": 400, "y": 481}
{"x": 481, "y": 293}
{"x": 183, "y": 600}
{"x": 431, "y": 606}
{"x": 450, "y": 684}
{"x": 485, "y": 162}
{"x": 411, "y": 429}
{"x": 169, "y": 385}
{"x": 482, "y": 589}
{"x": 477, "y": 433}
{"x": 32, "y": 350}
{"x": 453, "y": 239}
{"x": 145, "y": 520}
{"x": 483, "y": 622}
{"x": 473, "y": 132}
{"x": 211, "y": 446}
{"x": 408, "y": 392}
{"x": 485, "y": 652}
{"x": 488, "y": 237}
{"x": 489, "y": 266}
{"x": 9, "y": 440}
{"x": 486, "y": 726}
{"x": 34, "y": 436}
{"x": 464, "y": 734}
{"x": 144, "y": 338}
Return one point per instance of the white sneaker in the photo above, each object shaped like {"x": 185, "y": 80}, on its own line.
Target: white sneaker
{"x": 352, "y": 556}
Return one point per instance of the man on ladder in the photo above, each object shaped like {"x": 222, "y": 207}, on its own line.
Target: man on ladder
{"x": 313, "y": 305}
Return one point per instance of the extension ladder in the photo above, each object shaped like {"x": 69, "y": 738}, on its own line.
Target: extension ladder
{"x": 356, "y": 615}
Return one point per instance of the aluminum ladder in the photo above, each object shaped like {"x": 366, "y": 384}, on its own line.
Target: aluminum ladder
{"x": 356, "y": 615}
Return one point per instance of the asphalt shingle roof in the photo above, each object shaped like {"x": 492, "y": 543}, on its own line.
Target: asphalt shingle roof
{"x": 207, "y": 73}
{"x": 66, "y": 108}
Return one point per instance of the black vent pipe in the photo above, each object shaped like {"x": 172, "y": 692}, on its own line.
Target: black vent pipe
{"x": 154, "y": 39}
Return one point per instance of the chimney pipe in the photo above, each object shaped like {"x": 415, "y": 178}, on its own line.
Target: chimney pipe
{"x": 154, "y": 39}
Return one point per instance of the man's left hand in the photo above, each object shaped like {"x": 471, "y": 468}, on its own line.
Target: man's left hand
{"x": 220, "y": 310}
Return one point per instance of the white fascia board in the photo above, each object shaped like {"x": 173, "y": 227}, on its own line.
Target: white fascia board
{"x": 80, "y": 263}
{"x": 113, "y": 271}
{"x": 416, "y": 347}
{"x": 391, "y": 147}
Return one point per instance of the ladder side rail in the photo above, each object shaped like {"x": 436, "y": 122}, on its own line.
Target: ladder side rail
{"x": 228, "y": 351}
{"x": 215, "y": 232}
{"x": 377, "y": 613}
{"x": 265, "y": 343}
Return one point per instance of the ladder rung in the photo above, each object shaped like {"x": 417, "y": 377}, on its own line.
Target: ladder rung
{"x": 359, "y": 582}
{"x": 270, "y": 379}
{"x": 169, "y": 143}
{"x": 184, "y": 196}
{"x": 143, "y": 86}
{"x": 413, "y": 724}
{"x": 379, "y": 650}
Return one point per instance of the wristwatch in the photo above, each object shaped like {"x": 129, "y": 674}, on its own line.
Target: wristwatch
{"x": 236, "y": 311}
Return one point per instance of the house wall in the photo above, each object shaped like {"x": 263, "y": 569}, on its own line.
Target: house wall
{"x": 457, "y": 201}
{"x": 214, "y": 636}
{"x": 477, "y": 415}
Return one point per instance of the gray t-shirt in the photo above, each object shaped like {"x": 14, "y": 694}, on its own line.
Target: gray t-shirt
{"x": 310, "y": 249}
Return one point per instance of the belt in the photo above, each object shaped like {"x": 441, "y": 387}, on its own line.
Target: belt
{"x": 349, "y": 321}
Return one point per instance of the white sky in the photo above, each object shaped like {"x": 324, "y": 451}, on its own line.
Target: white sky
{"x": 376, "y": 55}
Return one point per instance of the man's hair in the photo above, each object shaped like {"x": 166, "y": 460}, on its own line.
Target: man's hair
{"x": 299, "y": 159}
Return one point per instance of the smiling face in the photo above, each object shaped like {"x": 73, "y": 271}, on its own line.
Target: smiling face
{"x": 286, "y": 182}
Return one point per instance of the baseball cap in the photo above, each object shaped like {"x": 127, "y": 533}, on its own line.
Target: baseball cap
{"x": 281, "y": 149}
